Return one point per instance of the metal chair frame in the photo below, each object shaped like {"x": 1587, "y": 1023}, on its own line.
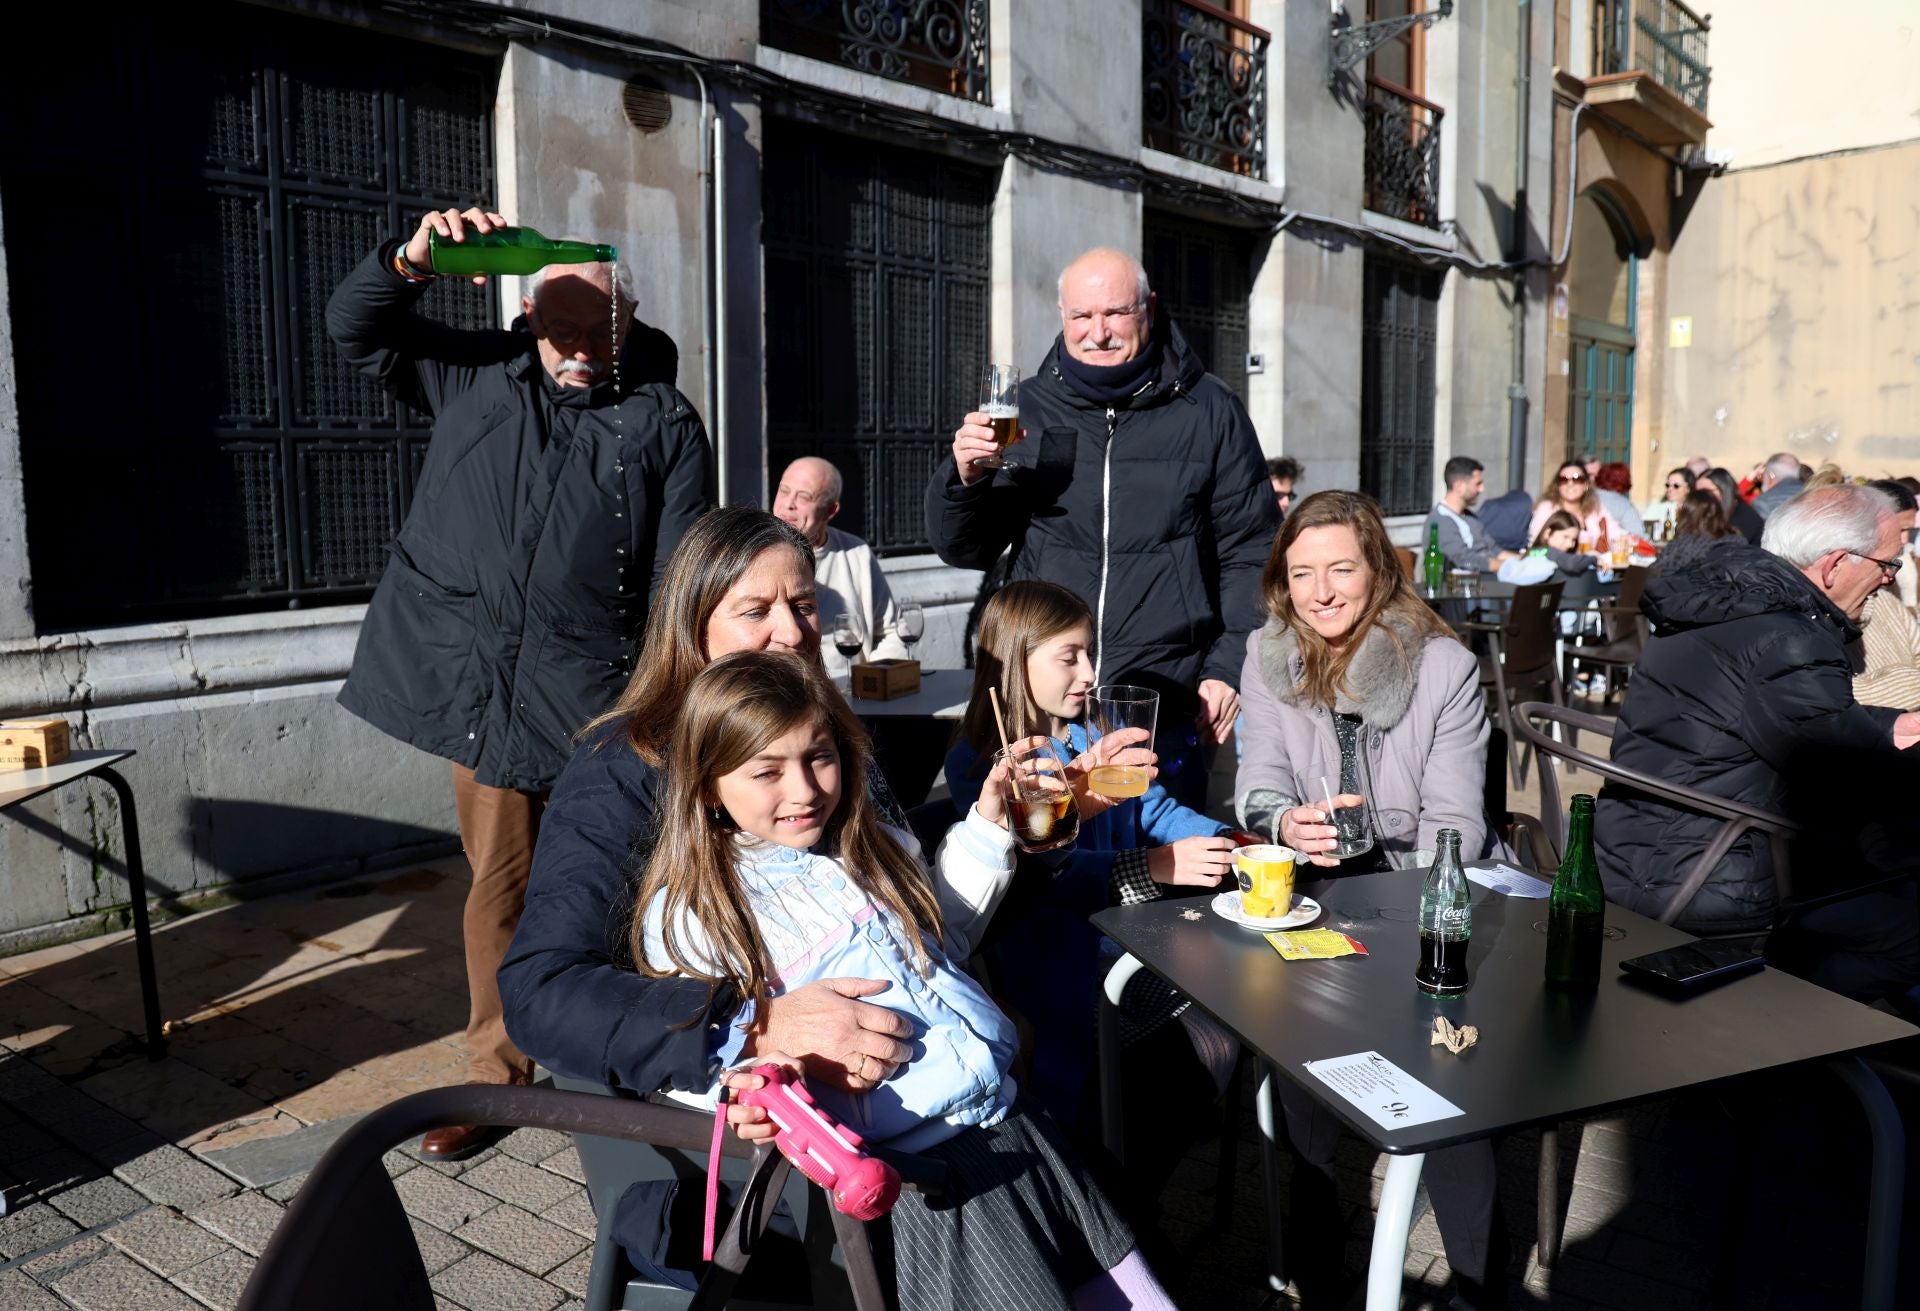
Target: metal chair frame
{"x": 345, "y": 1239}
{"x": 1523, "y": 655}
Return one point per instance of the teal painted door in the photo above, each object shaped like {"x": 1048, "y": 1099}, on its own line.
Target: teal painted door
{"x": 1600, "y": 416}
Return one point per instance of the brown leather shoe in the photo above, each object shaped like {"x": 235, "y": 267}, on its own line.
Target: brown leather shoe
{"x": 456, "y": 1142}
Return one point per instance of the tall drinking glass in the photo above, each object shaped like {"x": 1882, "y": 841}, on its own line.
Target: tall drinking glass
{"x": 1354, "y": 836}
{"x": 1000, "y": 402}
{"x": 1112, "y": 707}
{"x": 1040, "y": 807}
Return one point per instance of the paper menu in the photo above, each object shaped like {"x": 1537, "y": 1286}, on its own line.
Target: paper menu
{"x": 1382, "y": 1091}
{"x": 1510, "y": 881}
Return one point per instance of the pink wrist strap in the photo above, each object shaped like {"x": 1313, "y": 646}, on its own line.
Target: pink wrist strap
{"x": 713, "y": 1173}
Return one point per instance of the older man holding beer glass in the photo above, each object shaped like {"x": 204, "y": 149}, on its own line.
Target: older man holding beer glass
{"x": 1139, "y": 486}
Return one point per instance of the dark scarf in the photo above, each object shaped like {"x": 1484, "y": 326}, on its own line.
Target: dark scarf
{"x": 1110, "y": 384}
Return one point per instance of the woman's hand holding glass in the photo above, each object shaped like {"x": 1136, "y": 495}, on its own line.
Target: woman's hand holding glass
{"x": 1126, "y": 746}
{"x": 1309, "y": 830}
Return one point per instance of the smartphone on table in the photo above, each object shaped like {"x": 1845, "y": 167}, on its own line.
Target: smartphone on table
{"x": 1695, "y": 967}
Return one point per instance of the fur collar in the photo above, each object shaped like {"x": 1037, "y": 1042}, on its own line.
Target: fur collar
{"x": 1380, "y": 678}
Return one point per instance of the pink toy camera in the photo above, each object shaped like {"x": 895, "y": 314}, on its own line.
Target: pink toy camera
{"x": 861, "y": 1186}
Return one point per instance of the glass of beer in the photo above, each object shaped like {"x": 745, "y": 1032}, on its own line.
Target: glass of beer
{"x": 1000, "y": 402}
{"x": 1112, "y": 707}
{"x": 1266, "y": 880}
{"x": 1040, "y": 809}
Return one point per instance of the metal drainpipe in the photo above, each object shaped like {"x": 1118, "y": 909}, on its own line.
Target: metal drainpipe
{"x": 717, "y": 320}
{"x": 1517, "y": 384}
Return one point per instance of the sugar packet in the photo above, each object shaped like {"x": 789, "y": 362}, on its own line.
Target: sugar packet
{"x": 1315, "y": 944}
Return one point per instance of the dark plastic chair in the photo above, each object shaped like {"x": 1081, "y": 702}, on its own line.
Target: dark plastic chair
{"x": 345, "y": 1239}
{"x": 1623, "y": 632}
{"x": 1522, "y": 656}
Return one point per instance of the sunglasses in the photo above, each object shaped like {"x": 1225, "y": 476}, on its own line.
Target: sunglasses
{"x": 1573, "y": 477}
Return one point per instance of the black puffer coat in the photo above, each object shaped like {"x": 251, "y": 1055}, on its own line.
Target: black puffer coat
{"x": 1157, "y": 514}
{"x": 508, "y": 612}
{"x": 1745, "y": 692}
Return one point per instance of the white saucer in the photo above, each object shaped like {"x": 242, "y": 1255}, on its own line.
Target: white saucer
{"x": 1305, "y": 910}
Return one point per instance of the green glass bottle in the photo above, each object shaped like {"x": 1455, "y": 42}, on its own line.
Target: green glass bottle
{"x": 1435, "y": 564}
{"x": 511, "y": 250}
{"x": 1577, "y": 910}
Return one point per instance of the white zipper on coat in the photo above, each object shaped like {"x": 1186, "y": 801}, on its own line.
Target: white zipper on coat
{"x": 1106, "y": 516}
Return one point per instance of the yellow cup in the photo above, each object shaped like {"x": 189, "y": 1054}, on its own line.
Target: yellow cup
{"x": 1266, "y": 880}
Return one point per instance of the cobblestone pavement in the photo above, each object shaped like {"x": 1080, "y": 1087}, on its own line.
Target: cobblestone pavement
{"x": 131, "y": 1184}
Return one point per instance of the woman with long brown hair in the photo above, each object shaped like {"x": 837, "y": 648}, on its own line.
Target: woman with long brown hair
{"x": 1354, "y": 679}
{"x": 740, "y": 580}
{"x": 1571, "y": 489}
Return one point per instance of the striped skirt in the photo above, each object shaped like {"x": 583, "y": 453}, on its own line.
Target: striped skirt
{"x": 1019, "y": 1226}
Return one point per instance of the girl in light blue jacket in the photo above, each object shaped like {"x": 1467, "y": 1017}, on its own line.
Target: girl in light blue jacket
{"x": 768, "y": 873}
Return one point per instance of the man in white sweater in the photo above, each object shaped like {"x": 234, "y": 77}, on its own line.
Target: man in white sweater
{"x": 846, "y": 574}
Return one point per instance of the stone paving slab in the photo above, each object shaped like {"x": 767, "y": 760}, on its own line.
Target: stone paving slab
{"x": 164, "y": 1241}
{"x": 481, "y": 1283}
{"x": 522, "y": 1239}
{"x": 186, "y": 1185}
{"x": 517, "y": 1182}
{"x": 116, "y": 1283}
{"x": 442, "y": 1202}
{"x": 246, "y": 1220}
{"x": 31, "y": 1228}
{"x": 97, "y": 1201}
{"x": 64, "y": 1260}
{"x": 19, "y": 1293}
{"x": 574, "y": 1212}
{"x": 219, "y": 1280}
{"x": 534, "y": 1145}
{"x": 437, "y": 1250}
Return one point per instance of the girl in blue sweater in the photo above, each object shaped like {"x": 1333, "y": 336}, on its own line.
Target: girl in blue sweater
{"x": 1035, "y": 645}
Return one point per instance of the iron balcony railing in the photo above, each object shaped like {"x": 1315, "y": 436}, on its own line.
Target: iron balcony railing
{"x": 1403, "y": 153}
{"x": 1661, "y": 37}
{"x": 940, "y": 44}
{"x": 1204, "y": 85}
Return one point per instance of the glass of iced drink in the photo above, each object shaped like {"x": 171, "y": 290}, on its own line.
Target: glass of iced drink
{"x": 1040, "y": 809}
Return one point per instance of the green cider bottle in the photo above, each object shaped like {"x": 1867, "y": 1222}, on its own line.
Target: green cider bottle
{"x": 1434, "y": 564}
{"x": 510, "y": 250}
{"x": 1577, "y": 910}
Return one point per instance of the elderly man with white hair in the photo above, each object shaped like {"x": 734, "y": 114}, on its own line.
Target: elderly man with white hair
{"x": 1745, "y": 692}
{"x": 1143, "y": 491}
{"x": 1780, "y": 481}
{"x": 563, "y": 469}
{"x": 846, "y": 573}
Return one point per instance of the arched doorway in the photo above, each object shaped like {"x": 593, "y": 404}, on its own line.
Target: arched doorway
{"x": 1602, "y": 287}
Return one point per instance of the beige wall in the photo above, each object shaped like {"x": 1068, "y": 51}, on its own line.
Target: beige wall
{"x": 1803, "y": 284}
{"x": 1792, "y": 79}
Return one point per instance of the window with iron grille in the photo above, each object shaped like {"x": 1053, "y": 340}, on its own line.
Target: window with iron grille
{"x": 1399, "y": 329}
{"x": 877, "y": 267}
{"x": 179, "y": 205}
{"x": 1202, "y": 274}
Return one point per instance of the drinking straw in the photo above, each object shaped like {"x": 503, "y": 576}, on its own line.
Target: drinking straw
{"x": 993, "y": 695}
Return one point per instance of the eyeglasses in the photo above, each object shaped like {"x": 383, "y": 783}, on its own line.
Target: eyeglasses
{"x": 1891, "y": 568}
{"x": 1573, "y": 477}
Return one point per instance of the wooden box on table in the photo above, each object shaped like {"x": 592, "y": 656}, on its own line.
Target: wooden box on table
{"x": 32, "y": 743}
{"x": 883, "y": 680}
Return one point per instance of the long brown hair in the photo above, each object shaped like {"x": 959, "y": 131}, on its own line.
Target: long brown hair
{"x": 1556, "y": 522}
{"x": 1388, "y": 591}
{"x": 1701, "y": 515}
{"x": 1019, "y": 618}
{"x": 1588, "y": 501}
{"x": 732, "y": 709}
{"x": 716, "y": 552}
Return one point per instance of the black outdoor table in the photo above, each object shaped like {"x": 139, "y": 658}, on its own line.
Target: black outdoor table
{"x": 1543, "y": 1056}
{"x": 17, "y": 786}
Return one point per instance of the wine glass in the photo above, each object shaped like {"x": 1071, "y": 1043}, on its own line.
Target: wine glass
{"x": 911, "y": 625}
{"x": 846, "y": 640}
